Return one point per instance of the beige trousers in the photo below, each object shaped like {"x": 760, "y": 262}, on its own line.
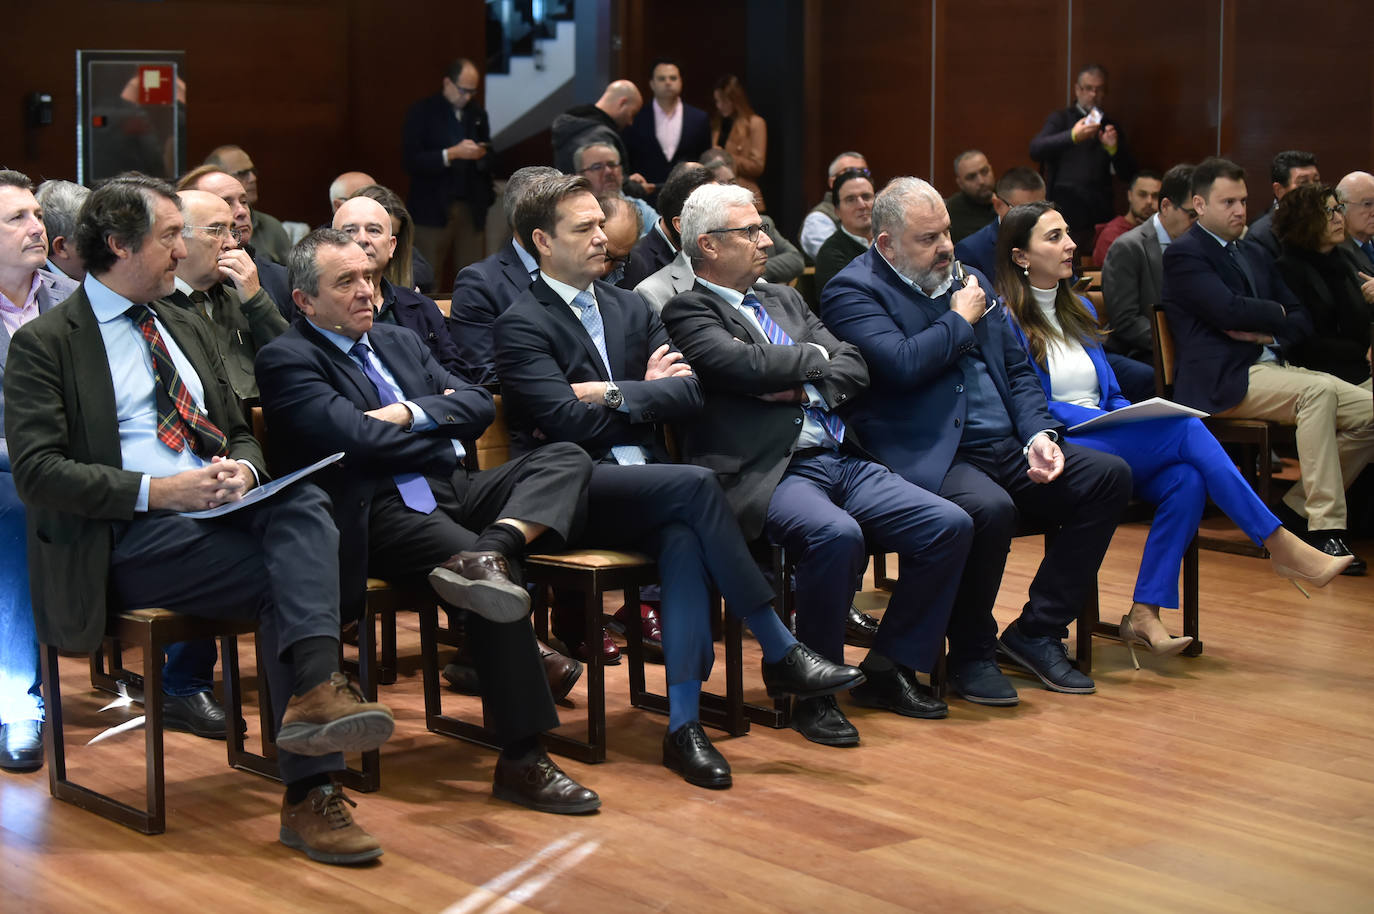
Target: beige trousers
{"x": 456, "y": 237}
{"x": 1335, "y": 433}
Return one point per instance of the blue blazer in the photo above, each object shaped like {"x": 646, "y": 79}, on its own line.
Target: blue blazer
{"x": 481, "y": 293}
{"x": 421, "y": 315}
{"x": 979, "y": 250}
{"x": 1204, "y": 295}
{"x": 1109, "y": 392}
{"x": 646, "y": 156}
{"x": 912, "y": 416}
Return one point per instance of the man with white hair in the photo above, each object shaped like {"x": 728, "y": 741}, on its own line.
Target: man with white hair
{"x": 822, "y": 222}
{"x": 956, "y": 408}
{"x": 60, "y": 201}
{"x": 1356, "y": 191}
{"x": 775, "y": 381}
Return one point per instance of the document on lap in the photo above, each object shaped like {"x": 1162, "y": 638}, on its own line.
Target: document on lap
{"x": 264, "y": 491}
{"x": 1153, "y": 408}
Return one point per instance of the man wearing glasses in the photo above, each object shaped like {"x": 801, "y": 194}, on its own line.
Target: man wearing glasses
{"x": 1017, "y": 186}
{"x": 218, "y": 281}
{"x": 268, "y": 235}
{"x": 1356, "y": 191}
{"x": 445, "y": 148}
{"x": 600, "y": 164}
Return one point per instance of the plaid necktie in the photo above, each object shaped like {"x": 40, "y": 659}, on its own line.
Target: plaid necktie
{"x": 778, "y": 336}
{"x": 624, "y": 454}
{"x": 414, "y": 488}
{"x": 179, "y": 421}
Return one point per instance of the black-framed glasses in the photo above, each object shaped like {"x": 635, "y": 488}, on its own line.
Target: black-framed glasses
{"x": 597, "y": 168}
{"x": 751, "y": 232}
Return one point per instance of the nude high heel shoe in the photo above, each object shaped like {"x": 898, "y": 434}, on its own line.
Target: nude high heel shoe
{"x": 1295, "y": 560}
{"x": 1141, "y": 626}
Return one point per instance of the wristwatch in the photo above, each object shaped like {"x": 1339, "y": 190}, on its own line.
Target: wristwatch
{"x": 613, "y": 397}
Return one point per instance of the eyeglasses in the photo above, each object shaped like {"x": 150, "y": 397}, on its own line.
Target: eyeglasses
{"x": 1360, "y": 204}
{"x": 218, "y": 231}
{"x": 598, "y": 167}
{"x": 1331, "y": 211}
{"x": 751, "y": 232}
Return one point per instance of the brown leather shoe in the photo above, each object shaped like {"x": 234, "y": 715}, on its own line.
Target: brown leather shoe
{"x": 540, "y": 784}
{"x": 481, "y": 582}
{"x": 322, "y": 827}
{"x": 333, "y": 717}
{"x": 562, "y": 671}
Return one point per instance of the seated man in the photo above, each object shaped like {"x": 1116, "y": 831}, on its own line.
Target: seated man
{"x": 1290, "y": 169}
{"x": 821, "y": 222}
{"x": 585, "y": 362}
{"x": 119, "y": 417}
{"x": 338, "y": 381}
{"x": 61, "y": 201}
{"x": 622, "y": 231}
{"x": 601, "y": 165}
{"x": 1017, "y": 186}
{"x": 955, "y": 408}
{"x": 1134, "y": 269}
{"x": 1234, "y": 323}
{"x": 271, "y": 237}
{"x": 970, "y": 207}
{"x": 675, "y": 275}
{"x": 774, "y": 380}
{"x": 1142, "y": 200}
{"x": 785, "y": 261}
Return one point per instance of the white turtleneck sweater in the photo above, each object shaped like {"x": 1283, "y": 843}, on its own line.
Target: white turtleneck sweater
{"x": 1073, "y": 378}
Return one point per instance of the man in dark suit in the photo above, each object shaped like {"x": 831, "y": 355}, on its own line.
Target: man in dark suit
{"x": 119, "y": 418}
{"x": 775, "y": 382}
{"x": 404, "y": 503}
{"x": 1234, "y": 324}
{"x": 1081, "y": 149}
{"x": 955, "y": 408}
{"x": 1134, "y": 270}
{"x": 600, "y": 121}
{"x": 1289, "y": 169}
{"x": 667, "y": 130}
{"x": 1016, "y": 186}
{"x": 446, "y": 149}
{"x": 586, "y": 362}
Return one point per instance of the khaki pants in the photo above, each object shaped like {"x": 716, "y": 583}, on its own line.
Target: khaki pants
{"x": 458, "y": 237}
{"x": 1335, "y": 433}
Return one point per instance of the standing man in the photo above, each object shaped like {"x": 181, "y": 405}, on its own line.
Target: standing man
{"x": 1142, "y": 201}
{"x": 668, "y": 130}
{"x": 775, "y": 380}
{"x": 446, "y": 149}
{"x": 1290, "y": 168}
{"x": 970, "y": 208}
{"x": 599, "y": 122}
{"x": 1080, "y": 149}
{"x": 583, "y": 361}
{"x": 60, "y": 202}
{"x": 270, "y": 235}
{"x": 955, "y": 408}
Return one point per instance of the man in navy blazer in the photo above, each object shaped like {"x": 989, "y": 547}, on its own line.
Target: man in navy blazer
{"x": 667, "y": 130}
{"x": 585, "y": 362}
{"x": 1234, "y": 323}
{"x": 403, "y": 501}
{"x": 954, "y": 407}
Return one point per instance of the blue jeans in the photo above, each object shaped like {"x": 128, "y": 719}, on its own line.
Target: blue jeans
{"x": 20, "y": 695}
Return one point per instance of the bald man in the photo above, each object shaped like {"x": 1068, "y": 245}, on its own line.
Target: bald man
{"x": 1356, "y": 191}
{"x": 345, "y": 186}
{"x": 600, "y": 122}
{"x": 271, "y": 237}
{"x": 218, "y": 280}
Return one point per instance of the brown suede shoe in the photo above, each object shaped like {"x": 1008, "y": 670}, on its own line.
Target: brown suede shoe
{"x": 322, "y": 826}
{"x": 540, "y": 784}
{"x": 332, "y": 717}
{"x": 481, "y": 582}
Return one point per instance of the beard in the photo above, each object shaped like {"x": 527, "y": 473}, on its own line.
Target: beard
{"x": 926, "y": 279}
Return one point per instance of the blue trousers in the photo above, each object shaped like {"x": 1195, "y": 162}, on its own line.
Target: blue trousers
{"x": 21, "y": 697}
{"x": 826, "y": 510}
{"x": 1176, "y": 464}
{"x": 1136, "y": 379}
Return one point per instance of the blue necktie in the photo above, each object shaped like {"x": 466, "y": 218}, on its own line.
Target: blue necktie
{"x": 414, "y": 488}
{"x": 625, "y": 454}
{"x": 833, "y": 425}
{"x": 1368, "y": 247}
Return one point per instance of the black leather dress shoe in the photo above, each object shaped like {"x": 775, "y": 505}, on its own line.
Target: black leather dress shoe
{"x": 199, "y": 714}
{"x": 21, "y": 745}
{"x": 821, "y": 721}
{"x": 804, "y": 673}
{"x": 859, "y": 627}
{"x": 538, "y": 783}
{"x": 895, "y": 690}
{"x": 688, "y": 752}
{"x": 1332, "y": 542}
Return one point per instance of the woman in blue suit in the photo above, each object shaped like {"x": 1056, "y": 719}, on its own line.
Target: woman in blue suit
{"x": 1176, "y": 463}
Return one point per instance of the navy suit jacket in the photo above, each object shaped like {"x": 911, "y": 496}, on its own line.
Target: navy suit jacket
{"x": 430, "y": 128}
{"x": 420, "y": 314}
{"x": 542, "y": 348}
{"x": 1205, "y": 295}
{"x": 314, "y": 397}
{"x": 646, "y": 156}
{"x": 649, "y": 255}
{"x": 273, "y": 278}
{"x": 481, "y": 293}
{"x": 913, "y": 414}
{"x": 979, "y": 250}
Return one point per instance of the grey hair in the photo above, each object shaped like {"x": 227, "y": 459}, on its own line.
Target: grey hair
{"x": 580, "y": 151}
{"x": 61, "y": 200}
{"x": 834, "y": 168}
{"x": 705, "y": 211}
{"x": 516, "y": 185}
{"x": 303, "y": 266}
{"x": 890, "y": 207}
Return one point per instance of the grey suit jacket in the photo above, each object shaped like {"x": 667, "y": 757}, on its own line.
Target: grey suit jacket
{"x": 675, "y": 278}
{"x": 1131, "y": 282}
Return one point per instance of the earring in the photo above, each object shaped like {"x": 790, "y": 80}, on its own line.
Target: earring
{"x": 1025, "y": 271}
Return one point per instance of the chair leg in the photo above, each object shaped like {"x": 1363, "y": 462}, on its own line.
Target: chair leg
{"x": 387, "y": 668}
{"x": 239, "y": 756}
{"x": 152, "y": 729}
{"x": 596, "y": 673}
{"x": 1190, "y": 599}
{"x": 54, "y": 744}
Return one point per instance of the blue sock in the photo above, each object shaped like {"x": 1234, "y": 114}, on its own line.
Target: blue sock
{"x": 772, "y": 635}
{"x": 684, "y": 704}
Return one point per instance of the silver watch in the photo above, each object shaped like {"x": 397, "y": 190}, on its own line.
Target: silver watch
{"x": 613, "y": 397}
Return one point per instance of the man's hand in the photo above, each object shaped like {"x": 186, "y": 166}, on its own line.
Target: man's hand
{"x": 237, "y": 267}
{"x": 1084, "y": 130}
{"x": 1250, "y": 336}
{"x": 1108, "y": 137}
{"x": 395, "y": 413}
{"x": 590, "y": 391}
{"x": 665, "y": 364}
{"x": 648, "y": 188}
{"x": 970, "y": 302}
{"x": 217, "y": 483}
{"x": 795, "y": 395}
{"x": 1367, "y": 286}
{"x": 467, "y": 149}
{"x": 1046, "y": 460}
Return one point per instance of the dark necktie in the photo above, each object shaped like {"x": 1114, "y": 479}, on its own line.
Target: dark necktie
{"x": 1368, "y": 248}
{"x": 1238, "y": 259}
{"x": 179, "y": 421}
{"x": 778, "y": 336}
{"x": 201, "y": 300}
{"x": 414, "y": 488}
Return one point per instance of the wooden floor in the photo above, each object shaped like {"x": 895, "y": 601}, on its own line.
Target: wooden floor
{"x": 1240, "y": 781}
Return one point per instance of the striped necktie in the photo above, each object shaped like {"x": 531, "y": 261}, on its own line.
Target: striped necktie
{"x": 179, "y": 421}
{"x": 833, "y": 425}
